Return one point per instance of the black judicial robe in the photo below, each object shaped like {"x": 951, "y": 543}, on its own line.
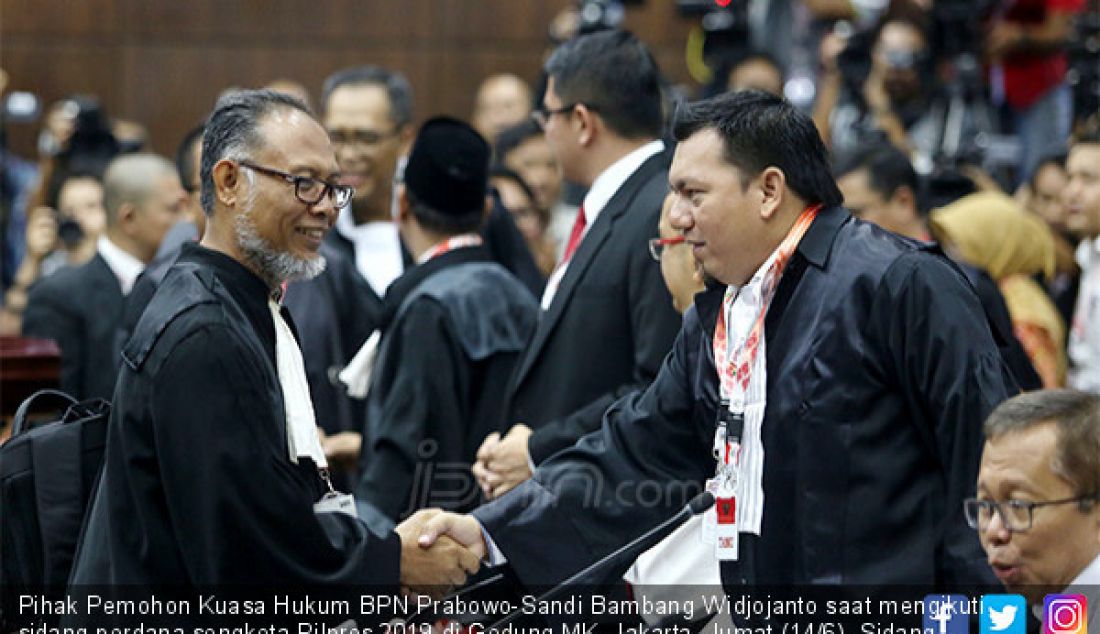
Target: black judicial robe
{"x": 198, "y": 487}
{"x": 881, "y": 369}
{"x": 455, "y": 327}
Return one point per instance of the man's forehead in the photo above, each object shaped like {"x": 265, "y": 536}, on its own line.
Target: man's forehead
{"x": 357, "y": 101}
{"x": 296, "y": 141}
{"x": 703, "y": 149}
{"x": 1083, "y": 157}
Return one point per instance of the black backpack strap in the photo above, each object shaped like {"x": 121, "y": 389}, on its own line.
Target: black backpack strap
{"x": 60, "y": 486}
{"x": 58, "y": 398}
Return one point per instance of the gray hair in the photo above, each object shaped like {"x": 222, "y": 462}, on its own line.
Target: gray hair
{"x": 232, "y": 131}
{"x": 1077, "y": 416}
{"x": 130, "y": 178}
{"x": 397, "y": 89}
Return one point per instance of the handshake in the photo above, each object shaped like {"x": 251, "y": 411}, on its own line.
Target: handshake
{"x": 438, "y": 551}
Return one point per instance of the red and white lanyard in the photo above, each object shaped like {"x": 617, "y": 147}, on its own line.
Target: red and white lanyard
{"x": 734, "y": 373}
{"x": 450, "y": 244}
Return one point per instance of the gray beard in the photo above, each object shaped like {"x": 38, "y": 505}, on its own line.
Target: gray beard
{"x": 274, "y": 267}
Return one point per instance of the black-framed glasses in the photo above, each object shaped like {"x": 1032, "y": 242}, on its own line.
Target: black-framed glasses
{"x": 307, "y": 189}
{"x": 361, "y": 137}
{"x": 542, "y": 114}
{"x": 1016, "y": 515}
{"x": 657, "y": 246}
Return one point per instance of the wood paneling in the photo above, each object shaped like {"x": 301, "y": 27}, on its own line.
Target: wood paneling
{"x": 164, "y": 62}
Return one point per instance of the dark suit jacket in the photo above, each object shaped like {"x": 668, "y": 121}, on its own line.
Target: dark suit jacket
{"x": 81, "y": 309}
{"x": 881, "y": 369}
{"x": 609, "y": 327}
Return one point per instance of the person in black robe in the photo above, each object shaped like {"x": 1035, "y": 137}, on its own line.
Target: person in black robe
{"x": 880, "y": 367}
{"x": 213, "y": 473}
{"x": 456, "y": 324}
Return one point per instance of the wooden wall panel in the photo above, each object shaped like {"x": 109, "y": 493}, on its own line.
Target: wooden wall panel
{"x": 164, "y": 62}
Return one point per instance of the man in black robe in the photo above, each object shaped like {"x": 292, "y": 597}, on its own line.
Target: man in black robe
{"x": 214, "y": 474}
{"x": 456, "y": 324}
{"x": 876, "y": 369}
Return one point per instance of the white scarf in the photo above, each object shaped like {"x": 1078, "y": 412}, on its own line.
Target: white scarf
{"x": 301, "y": 425}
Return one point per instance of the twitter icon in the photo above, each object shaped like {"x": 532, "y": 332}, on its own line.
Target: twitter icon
{"x": 1003, "y": 614}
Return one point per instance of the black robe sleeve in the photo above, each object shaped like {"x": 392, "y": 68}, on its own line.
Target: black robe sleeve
{"x": 647, "y": 460}
{"x": 927, "y": 323}
{"x": 238, "y": 508}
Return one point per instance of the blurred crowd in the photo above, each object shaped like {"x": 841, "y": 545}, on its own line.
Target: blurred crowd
{"x": 975, "y": 96}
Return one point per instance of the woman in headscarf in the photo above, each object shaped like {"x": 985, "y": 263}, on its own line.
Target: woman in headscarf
{"x": 992, "y": 232}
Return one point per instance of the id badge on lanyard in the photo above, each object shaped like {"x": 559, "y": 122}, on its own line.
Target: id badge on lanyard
{"x": 720, "y": 526}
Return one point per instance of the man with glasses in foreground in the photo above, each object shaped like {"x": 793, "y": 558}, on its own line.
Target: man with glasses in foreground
{"x": 214, "y": 474}
{"x": 1038, "y": 507}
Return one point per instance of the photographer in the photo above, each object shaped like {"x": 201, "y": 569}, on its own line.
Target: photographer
{"x": 61, "y": 233}
{"x": 861, "y": 102}
{"x": 1025, "y": 43}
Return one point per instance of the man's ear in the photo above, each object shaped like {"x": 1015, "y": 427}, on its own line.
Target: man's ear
{"x": 227, "y": 176}
{"x": 402, "y": 211}
{"x": 126, "y": 217}
{"x": 772, "y": 187}
{"x": 587, "y": 120}
{"x": 904, "y": 202}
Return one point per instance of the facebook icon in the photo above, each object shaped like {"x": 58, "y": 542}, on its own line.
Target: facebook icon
{"x": 946, "y": 614}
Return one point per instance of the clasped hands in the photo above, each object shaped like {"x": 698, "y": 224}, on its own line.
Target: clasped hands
{"x": 503, "y": 462}
{"x": 438, "y": 551}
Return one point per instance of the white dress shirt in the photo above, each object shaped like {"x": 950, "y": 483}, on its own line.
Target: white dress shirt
{"x": 377, "y": 245}
{"x": 606, "y": 185}
{"x": 125, "y": 266}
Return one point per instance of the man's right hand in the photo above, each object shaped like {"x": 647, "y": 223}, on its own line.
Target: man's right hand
{"x": 434, "y": 568}
{"x": 464, "y": 529}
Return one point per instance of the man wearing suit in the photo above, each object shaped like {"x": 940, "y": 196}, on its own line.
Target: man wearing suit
{"x": 832, "y": 379}
{"x": 81, "y": 308}
{"x": 608, "y": 319}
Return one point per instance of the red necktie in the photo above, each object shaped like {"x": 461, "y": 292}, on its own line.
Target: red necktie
{"x": 574, "y": 235}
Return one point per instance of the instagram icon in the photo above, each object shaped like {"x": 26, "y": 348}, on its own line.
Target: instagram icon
{"x": 1065, "y": 614}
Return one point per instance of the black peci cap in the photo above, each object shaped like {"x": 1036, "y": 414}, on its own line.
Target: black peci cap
{"x": 448, "y": 167}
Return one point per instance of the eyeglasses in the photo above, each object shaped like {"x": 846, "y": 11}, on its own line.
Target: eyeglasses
{"x": 657, "y": 246}
{"x": 362, "y": 138}
{"x": 1016, "y": 515}
{"x": 541, "y": 115}
{"x": 309, "y": 190}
